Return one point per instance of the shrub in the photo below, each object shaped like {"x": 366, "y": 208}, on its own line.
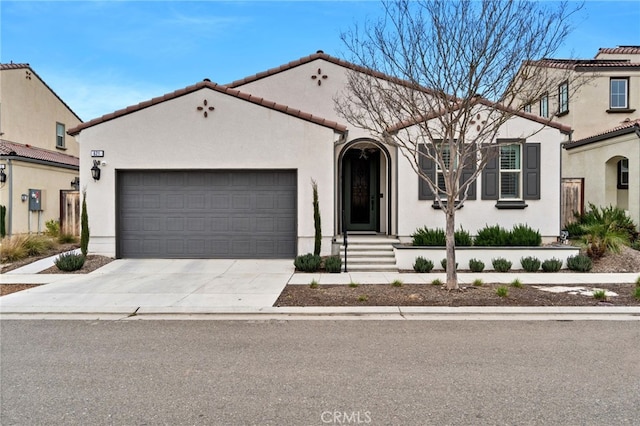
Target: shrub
{"x": 333, "y": 264}
{"x": 307, "y": 262}
{"x": 516, "y": 283}
{"x": 316, "y": 220}
{"x": 13, "y": 248}
{"x": 606, "y": 229}
{"x": 501, "y": 264}
{"x": 422, "y": 265}
{"x": 429, "y": 237}
{"x": 314, "y": 284}
{"x": 636, "y": 293}
{"x": 599, "y": 294}
{"x": 353, "y": 284}
{"x": 397, "y": 283}
{"x": 363, "y": 298}
{"x": 574, "y": 229}
{"x": 463, "y": 238}
{"x": 530, "y": 263}
{"x": 476, "y": 265}
{"x": 552, "y": 265}
{"x": 523, "y": 235}
{"x": 492, "y": 236}
{"x": 437, "y": 281}
{"x": 35, "y": 245}
{"x": 3, "y": 222}
{"x": 502, "y": 291}
{"x": 580, "y": 263}
{"x": 84, "y": 225}
{"x": 69, "y": 261}
{"x": 478, "y": 282}
{"x": 53, "y": 228}
{"x": 443, "y": 263}
{"x": 67, "y": 239}
{"x": 638, "y": 282}
{"x": 636, "y": 244}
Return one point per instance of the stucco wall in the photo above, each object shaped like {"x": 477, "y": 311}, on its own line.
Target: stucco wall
{"x": 29, "y": 112}
{"x": 236, "y": 135}
{"x": 600, "y": 185}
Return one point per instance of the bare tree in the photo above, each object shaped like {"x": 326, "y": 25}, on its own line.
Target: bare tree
{"x": 451, "y": 63}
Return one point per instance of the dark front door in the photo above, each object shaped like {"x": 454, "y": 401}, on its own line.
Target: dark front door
{"x": 361, "y": 183}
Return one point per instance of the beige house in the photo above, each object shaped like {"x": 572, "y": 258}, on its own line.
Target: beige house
{"x": 213, "y": 171}
{"x": 609, "y": 165}
{"x": 39, "y": 160}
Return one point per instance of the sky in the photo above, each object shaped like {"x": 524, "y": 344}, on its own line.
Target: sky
{"x": 101, "y": 56}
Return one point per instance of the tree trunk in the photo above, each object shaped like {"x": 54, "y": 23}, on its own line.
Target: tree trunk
{"x": 452, "y": 273}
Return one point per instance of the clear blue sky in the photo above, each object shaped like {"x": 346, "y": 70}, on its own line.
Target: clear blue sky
{"x": 100, "y": 56}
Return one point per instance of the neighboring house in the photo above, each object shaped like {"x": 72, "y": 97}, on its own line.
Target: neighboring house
{"x": 35, "y": 150}
{"x": 593, "y": 94}
{"x": 213, "y": 171}
{"x": 609, "y": 165}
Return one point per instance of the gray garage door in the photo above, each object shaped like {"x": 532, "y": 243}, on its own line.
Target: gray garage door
{"x": 207, "y": 214}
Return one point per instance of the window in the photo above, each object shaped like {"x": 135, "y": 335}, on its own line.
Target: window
{"x": 510, "y": 172}
{"x": 544, "y": 106}
{"x": 563, "y": 98}
{"x": 527, "y": 108}
{"x": 618, "y": 93}
{"x": 59, "y": 135}
{"x": 623, "y": 174}
{"x": 446, "y": 157}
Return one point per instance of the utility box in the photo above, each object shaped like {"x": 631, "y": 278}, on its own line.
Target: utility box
{"x": 35, "y": 200}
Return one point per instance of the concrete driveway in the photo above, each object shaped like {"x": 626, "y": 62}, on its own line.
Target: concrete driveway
{"x": 173, "y": 285}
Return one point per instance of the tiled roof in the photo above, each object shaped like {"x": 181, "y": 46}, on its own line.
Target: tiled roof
{"x": 632, "y": 50}
{"x": 584, "y": 64}
{"x": 627, "y": 127}
{"x": 218, "y": 88}
{"x": 321, "y": 55}
{"x": 8, "y": 148}
{"x": 562, "y": 127}
{"x": 12, "y": 66}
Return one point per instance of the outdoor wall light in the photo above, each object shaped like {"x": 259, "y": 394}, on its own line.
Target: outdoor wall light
{"x": 3, "y": 175}
{"x": 24, "y": 197}
{"x": 95, "y": 170}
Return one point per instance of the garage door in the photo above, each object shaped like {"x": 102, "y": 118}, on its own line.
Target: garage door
{"x": 207, "y": 214}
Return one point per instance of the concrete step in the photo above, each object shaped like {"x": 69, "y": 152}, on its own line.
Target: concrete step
{"x": 371, "y": 260}
{"x": 370, "y": 268}
{"x": 369, "y": 253}
{"x": 368, "y": 240}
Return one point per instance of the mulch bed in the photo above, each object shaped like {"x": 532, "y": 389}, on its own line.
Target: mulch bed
{"x": 434, "y": 295}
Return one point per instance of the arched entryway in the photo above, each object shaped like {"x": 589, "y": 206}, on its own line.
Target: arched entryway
{"x": 617, "y": 182}
{"x": 365, "y": 188}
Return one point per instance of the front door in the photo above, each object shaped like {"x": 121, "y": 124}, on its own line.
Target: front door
{"x": 361, "y": 187}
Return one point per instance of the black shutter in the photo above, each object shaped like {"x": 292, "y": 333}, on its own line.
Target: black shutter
{"x": 490, "y": 176}
{"x": 428, "y": 167}
{"x": 467, "y": 171}
{"x": 531, "y": 171}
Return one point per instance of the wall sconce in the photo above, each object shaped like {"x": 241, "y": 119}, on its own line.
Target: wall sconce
{"x": 95, "y": 170}
{"x": 24, "y": 197}
{"x": 3, "y": 175}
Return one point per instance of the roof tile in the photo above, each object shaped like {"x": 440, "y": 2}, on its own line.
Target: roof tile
{"x": 8, "y": 148}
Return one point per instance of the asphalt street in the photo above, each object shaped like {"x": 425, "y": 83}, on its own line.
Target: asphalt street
{"x": 319, "y": 372}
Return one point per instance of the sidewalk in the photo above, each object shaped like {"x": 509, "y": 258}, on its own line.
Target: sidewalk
{"x": 247, "y": 289}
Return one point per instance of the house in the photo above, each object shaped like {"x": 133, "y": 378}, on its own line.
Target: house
{"x": 225, "y": 171}
{"x": 592, "y": 95}
{"x": 38, "y": 159}
{"x": 608, "y": 164}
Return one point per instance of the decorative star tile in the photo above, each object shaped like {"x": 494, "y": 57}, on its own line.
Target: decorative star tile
{"x": 205, "y": 109}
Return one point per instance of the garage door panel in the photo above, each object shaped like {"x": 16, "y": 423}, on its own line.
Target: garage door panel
{"x": 210, "y": 214}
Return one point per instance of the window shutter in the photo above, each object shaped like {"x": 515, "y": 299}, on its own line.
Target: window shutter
{"x": 467, "y": 171}
{"x": 428, "y": 166}
{"x": 531, "y": 171}
{"x": 490, "y": 180}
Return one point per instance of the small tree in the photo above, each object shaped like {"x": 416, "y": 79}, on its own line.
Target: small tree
{"x": 316, "y": 219}
{"x": 452, "y": 64}
{"x": 84, "y": 224}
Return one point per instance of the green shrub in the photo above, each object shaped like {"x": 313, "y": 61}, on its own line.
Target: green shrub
{"x": 580, "y": 263}
{"x": 636, "y": 244}
{"x": 397, "y": 283}
{"x": 478, "y": 282}
{"x": 638, "y": 282}
{"x": 84, "y": 226}
{"x": 67, "y": 239}
{"x": 552, "y": 265}
{"x": 3, "y": 221}
{"x": 333, "y": 264}
{"x": 574, "y": 229}
{"x": 69, "y": 261}
{"x": 307, "y": 262}
{"x": 443, "y": 263}
{"x": 523, "y": 235}
{"x": 429, "y": 237}
{"x": 53, "y": 228}
{"x": 606, "y": 229}
{"x": 314, "y": 284}
{"x": 476, "y": 265}
{"x": 437, "y": 281}
{"x": 501, "y": 264}
{"x": 599, "y": 294}
{"x": 530, "y": 263}
{"x": 316, "y": 220}
{"x": 463, "y": 238}
{"x": 422, "y": 265}
{"x": 363, "y": 298}
{"x": 502, "y": 291}
{"x": 36, "y": 245}
{"x": 636, "y": 293}
{"x": 492, "y": 236}
{"x": 353, "y": 284}
{"x": 516, "y": 283}
{"x": 13, "y": 248}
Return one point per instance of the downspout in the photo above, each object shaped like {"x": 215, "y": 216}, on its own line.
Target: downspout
{"x": 10, "y": 206}
{"x": 562, "y": 147}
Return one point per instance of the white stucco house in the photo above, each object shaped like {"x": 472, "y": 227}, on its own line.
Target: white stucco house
{"x": 225, "y": 171}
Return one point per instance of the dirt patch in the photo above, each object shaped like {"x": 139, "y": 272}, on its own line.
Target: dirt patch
{"x": 12, "y": 288}
{"x": 435, "y": 295}
{"x": 91, "y": 263}
{"x": 60, "y": 248}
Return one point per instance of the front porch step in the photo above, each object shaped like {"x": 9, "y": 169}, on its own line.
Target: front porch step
{"x": 369, "y": 253}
